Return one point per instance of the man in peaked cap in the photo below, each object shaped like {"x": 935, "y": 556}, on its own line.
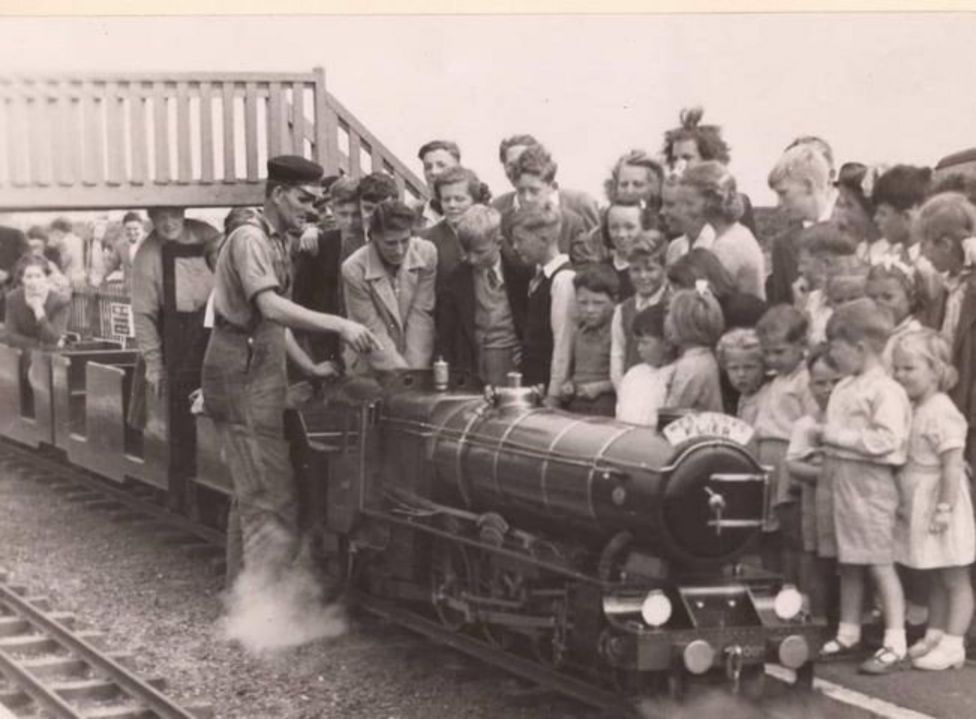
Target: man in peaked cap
{"x": 244, "y": 378}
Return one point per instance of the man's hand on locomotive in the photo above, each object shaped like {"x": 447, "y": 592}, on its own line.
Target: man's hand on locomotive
{"x": 358, "y": 337}
{"x": 324, "y": 370}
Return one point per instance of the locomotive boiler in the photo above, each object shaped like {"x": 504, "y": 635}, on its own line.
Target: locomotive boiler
{"x": 599, "y": 548}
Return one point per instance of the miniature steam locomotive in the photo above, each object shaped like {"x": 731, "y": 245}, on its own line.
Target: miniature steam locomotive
{"x": 602, "y": 549}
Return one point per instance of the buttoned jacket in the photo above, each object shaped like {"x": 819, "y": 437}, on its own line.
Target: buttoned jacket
{"x": 400, "y": 313}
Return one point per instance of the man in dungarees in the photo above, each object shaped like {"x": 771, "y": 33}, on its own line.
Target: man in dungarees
{"x": 244, "y": 377}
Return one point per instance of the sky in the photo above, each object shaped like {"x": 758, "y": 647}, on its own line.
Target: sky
{"x": 882, "y": 88}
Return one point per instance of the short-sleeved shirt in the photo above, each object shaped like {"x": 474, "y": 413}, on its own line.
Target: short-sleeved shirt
{"x": 254, "y": 259}
{"x": 868, "y": 419}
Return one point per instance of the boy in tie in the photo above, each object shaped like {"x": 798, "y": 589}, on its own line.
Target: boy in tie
{"x": 481, "y": 315}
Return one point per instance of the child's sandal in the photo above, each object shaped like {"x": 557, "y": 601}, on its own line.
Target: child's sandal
{"x": 884, "y": 661}
{"x": 836, "y": 649}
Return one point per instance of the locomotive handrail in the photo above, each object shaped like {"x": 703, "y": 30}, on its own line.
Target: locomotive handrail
{"x": 518, "y": 448}
{"x": 117, "y": 140}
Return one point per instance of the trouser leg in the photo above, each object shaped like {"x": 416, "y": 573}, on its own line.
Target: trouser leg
{"x": 264, "y": 497}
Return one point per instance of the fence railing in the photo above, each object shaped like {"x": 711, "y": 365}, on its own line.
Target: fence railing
{"x": 103, "y": 313}
{"x": 107, "y": 141}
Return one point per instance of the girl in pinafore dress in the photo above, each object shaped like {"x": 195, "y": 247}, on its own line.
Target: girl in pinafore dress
{"x": 893, "y": 285}
{"x": 935, "y": 528}
{"x": 865, "y": 436}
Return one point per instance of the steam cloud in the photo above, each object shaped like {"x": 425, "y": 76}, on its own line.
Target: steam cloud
{"x": 269, "y": 611}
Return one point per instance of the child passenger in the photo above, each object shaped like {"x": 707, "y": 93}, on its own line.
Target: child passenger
{"x": 865, "y": 435}
{"x": 804, "y": 461}
{"x": 693, "y": 325}
{"x": 782, "y": 332}
{"x": 589, "y": 389}
{"x": 741, "y": 357}
{"x": 645, "y": 267}
{"x": 644, "y": 389}
{"x": 935, "y": 528}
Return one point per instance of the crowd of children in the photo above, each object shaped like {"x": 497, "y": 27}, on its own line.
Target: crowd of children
{"x": 852, "y": 359}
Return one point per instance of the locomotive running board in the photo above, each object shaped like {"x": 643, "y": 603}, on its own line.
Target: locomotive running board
{"x": 522, "y": 668}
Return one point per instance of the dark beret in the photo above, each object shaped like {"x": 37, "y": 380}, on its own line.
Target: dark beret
{"x": 296, "y": 170}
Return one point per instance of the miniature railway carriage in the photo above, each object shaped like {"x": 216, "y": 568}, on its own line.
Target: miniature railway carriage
{"x": 601, "y": 550}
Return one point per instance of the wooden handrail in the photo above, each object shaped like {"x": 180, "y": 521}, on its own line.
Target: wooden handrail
{"x": 118, "y": 140}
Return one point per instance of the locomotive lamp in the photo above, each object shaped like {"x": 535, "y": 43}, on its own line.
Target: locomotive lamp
{"x": 788, "y": 602}
{"x": 656, "y": 608}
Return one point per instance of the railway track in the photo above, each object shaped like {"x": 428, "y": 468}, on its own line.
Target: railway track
{"x": 51, "y": 669}
{"x": 129, "y": 503}
{"x": 124, "y": 504}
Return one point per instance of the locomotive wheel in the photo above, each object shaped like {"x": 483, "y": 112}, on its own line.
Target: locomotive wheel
{"x": 490, "y": 581}
{"x": 450, "y": 572}
{"x": 549, "y": 646}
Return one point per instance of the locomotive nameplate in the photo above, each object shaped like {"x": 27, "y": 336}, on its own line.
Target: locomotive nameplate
{"x": 708, "y": 424}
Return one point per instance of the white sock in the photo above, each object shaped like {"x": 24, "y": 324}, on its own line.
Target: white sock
{"x": 894, "y": 639}
{"x": 952, "y": 642}
{"x": 932, "y": 634}
{"x": 848, "y": 634}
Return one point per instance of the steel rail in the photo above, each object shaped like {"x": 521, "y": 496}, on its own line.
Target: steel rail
{"x": 130, "y": 684}
{"x": 74, "y": 474}
{"x": 580, "y": 690}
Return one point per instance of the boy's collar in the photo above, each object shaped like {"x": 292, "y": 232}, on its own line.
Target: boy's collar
{"x": 550, "y": 267}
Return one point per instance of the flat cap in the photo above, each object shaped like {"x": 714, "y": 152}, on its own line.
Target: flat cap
{"x": 296, "y": 170}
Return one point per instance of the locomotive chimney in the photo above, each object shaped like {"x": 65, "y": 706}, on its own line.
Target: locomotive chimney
{"x": 514, "y": 396}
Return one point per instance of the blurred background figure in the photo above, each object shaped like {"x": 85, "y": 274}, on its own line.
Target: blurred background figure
{"x": 116, "y": 259}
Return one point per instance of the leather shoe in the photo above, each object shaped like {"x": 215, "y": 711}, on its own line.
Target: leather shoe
{"x": 942, "y": 657}
{"x": 884, "y": 661}
{"x": 836, "y": 649}
{"x": 922, "y": 647}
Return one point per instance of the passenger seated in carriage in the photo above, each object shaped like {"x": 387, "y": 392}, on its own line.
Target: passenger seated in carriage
{"x": 37, "y": 316}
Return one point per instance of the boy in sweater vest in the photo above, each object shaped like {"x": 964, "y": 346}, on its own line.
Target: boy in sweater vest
{"x": 589, "y": 389}
{"x": 550, "y": 316}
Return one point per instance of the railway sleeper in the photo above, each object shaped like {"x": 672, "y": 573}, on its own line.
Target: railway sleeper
{"x": 47, "y": 667}
{"x": 86, "y": 690}
{"x": 13, "y": 698}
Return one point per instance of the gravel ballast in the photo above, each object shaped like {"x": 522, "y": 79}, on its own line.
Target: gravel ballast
{"x": 164, "y": 607}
